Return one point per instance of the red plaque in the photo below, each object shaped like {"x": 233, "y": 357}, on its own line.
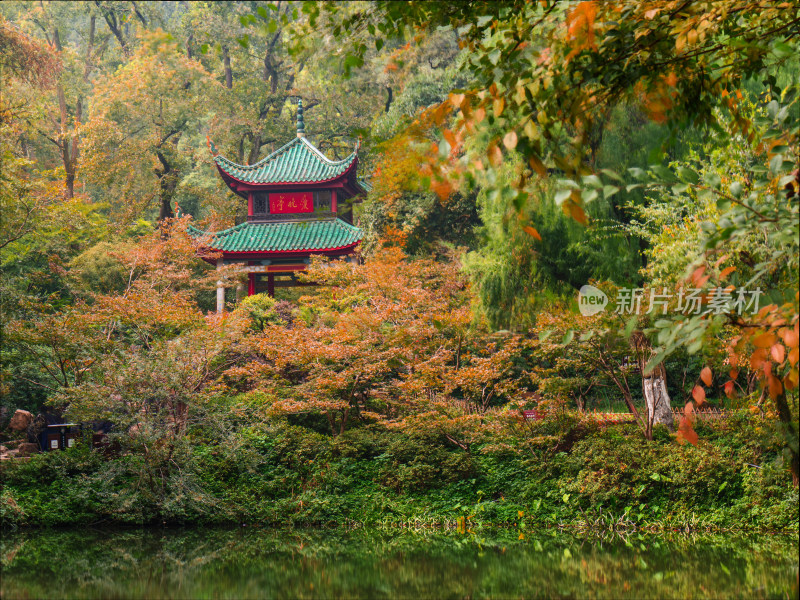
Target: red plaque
{"x": 291, "y": 202}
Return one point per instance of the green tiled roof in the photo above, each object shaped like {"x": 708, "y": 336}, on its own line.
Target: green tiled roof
{"x": 296, "y": 162}
{"x": 312, "y": 236}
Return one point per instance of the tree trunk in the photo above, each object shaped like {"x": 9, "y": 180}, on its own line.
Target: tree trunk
{"x": 654, "y": 386}
{"x": 226, "y": 62}
{"x": 167, "y": 182}
{"x": 656, "y": 399}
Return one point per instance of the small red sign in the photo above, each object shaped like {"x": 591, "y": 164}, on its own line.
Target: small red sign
{"x": 291, "y": 202}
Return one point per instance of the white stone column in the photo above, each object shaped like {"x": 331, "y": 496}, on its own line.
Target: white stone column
{"x": 220, "y": 289}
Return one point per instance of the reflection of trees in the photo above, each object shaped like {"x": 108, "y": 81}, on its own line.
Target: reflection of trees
{"x": 245, "y": 563}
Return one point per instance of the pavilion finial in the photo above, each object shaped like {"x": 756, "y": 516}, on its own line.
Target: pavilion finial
{"x": 301, "y": 126}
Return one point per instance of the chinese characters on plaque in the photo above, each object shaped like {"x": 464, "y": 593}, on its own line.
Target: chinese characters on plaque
{"x": 291, "y": 202}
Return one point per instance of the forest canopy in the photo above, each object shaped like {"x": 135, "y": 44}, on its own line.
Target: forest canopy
{"x": 516, "y": 152}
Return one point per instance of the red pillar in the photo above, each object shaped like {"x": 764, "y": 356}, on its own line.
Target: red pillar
{"x": 333, "y": 201}
{"x": 271, "y": 285}
{"x": 251, "y": 284}
{"x": 250, "y": 204}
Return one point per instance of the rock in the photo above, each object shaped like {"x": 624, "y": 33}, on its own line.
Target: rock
{"x": 3, "y": 449}
{"x": 20, "y": 420}
{"x": 26, "y": 449}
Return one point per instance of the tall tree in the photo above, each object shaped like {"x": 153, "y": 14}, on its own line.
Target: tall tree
{"x": 141, "y": 121}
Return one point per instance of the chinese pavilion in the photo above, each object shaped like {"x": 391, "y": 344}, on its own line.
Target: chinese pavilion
{"x": 299, "y": 203}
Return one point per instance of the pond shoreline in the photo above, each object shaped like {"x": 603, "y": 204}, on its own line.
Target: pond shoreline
{"x": 248, "y": 562}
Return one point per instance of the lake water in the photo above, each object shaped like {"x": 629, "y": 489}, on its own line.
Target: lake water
{"x": 252, "y": 563}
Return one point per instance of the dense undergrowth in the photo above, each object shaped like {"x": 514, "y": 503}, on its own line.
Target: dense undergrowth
{"x": 558, "y": 472}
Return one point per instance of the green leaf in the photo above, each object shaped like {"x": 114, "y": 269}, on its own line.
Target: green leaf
{"x": 543, "y": 335}
{"x": 712, "y": 179}
{"x": 631, "y": 325}
{"x": 609, "y": 190}
{"x": 776, "y": 163}
{"x": 568, "y": 337}
{"x": 562, "y": 195}
{"x": 688, "y": 174}
{"x": 662, "y": 172}
{"x": 680, "y": 188}
{"x": 204, "y": 49}
{"x": 592, "y": 181}
{"x": 612, "y": 174}
{"x": 735, "y": 189}
{"x": 783, "y": 50}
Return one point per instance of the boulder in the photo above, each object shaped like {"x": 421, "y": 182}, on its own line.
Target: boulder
{"x": 20, "y": 421}
{"x": 26, "y": 449}
{"x": 3, "y": 449}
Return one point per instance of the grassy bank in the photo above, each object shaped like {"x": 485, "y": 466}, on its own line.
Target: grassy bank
{"x": 561, "y": 471}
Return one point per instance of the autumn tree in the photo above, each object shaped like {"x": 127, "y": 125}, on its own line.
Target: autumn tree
{"x": 144, "y": 120}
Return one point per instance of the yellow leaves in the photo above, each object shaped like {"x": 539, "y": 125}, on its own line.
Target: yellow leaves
{"x": 442, "y": 187}
{"x": 537, "y": 165}
{"x": 451, "y": 140}
{"x": 778, "y": 353}
{"x": 498, "y": 104}
{"x": 686, "y": 432}
{"x": 774, "y": 386}
{"x": 572, "y": 208}
{"x": 697, "y": 277}
{"x": 495, "y": 155}
{"x": 532, "y": 232}
{"x": 790, "y": 336}
{"x": 699, "y": 394}
{"x": 510, "y": 140}
{"x": 730, "y": 389}
{"x": 457, "y": 100}
{"x": 764, "y": 340}
{"x": 580, "y": 28}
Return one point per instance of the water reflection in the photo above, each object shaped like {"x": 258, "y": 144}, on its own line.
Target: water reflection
{"x": 249, "y": 563}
